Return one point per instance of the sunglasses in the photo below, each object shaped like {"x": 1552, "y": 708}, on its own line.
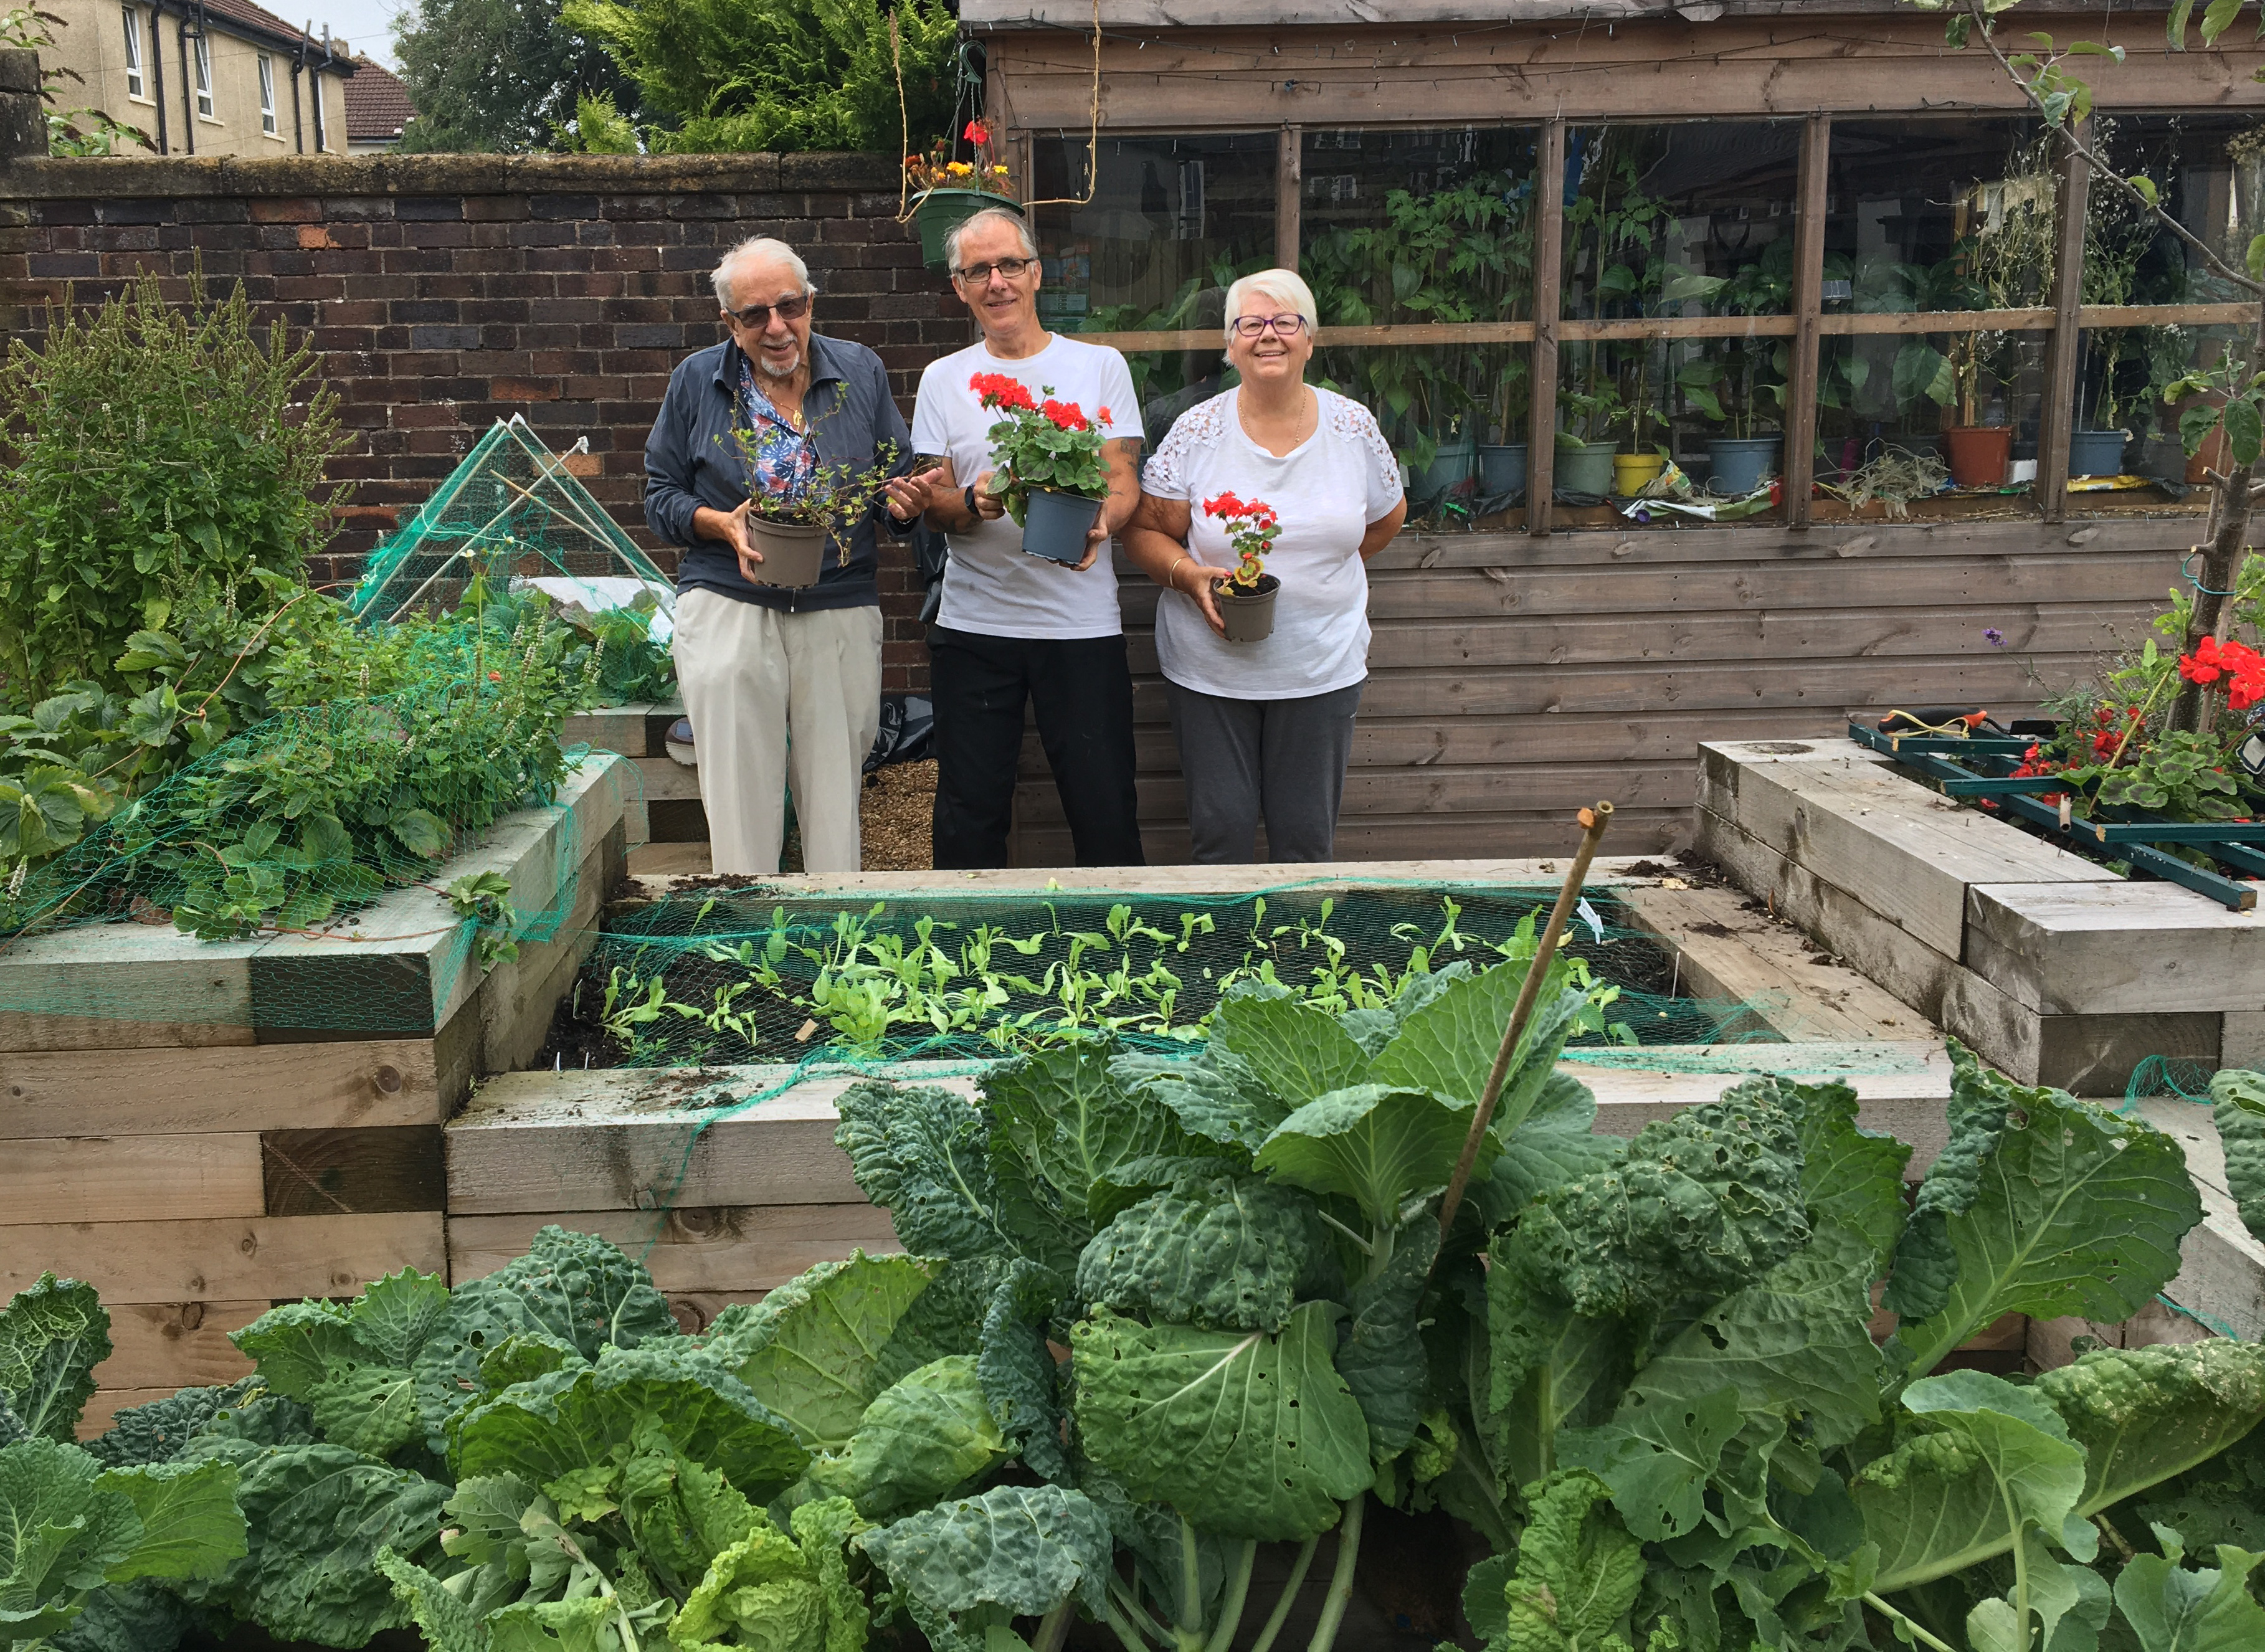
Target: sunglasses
{"x": 759, "y": 315}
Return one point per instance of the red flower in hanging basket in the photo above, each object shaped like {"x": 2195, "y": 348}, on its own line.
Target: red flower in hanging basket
{"x": 976, "y": 133}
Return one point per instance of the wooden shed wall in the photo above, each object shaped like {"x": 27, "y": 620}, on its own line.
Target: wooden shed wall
{"x": 1513, "y": 678}
{"x": 1256, "y": 68}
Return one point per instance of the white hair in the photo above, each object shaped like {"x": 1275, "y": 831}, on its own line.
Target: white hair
{"x": 988, "y": 215}
{"x": 1284, "y": 286}
{"x": 761, "y": 246}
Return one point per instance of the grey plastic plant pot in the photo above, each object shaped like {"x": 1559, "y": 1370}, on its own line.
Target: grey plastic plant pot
{"x": 1450, "y": 468}
{"x": 1502, "y": 469}
{"x": 2095, "y": 453}
{"x": 793, "y": 553}
{"x": 1586, "y": 470}
{"x": 1736, "y": 465}
{"x": 1055, "y": 524}
{"x": 1248, "y": 619}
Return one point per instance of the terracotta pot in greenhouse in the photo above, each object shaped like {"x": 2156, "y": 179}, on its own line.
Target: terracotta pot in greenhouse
{"x": 1977, "y": 453}
{"x": 941, "y": 210}
{"x": 1632, "y": 472}
{"x": 1585, "y": 469}
{"x": 793, "y": 553}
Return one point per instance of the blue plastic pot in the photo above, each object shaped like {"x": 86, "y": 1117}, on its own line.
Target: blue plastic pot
{"x": 1502, "y": 469}
{"x": 1736, "y": 465}
{"x": 1449, "y": 470}
{"x": 2095, "y": 453}
{"x": 1054, "y": 525}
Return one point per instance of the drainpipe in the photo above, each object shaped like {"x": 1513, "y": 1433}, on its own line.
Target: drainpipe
{"x": 157, "y": 72}
{"x": 298, "y": 67}
{"x": 189, "y": 89}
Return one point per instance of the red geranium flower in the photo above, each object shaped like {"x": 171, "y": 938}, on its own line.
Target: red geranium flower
{"x": 997, "y": 389}
{"x": 976, "y": 133}
{"x": 1063, "y": 415}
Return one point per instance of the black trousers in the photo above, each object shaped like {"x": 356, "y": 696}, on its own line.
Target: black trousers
{"x": 1083, "y": 693}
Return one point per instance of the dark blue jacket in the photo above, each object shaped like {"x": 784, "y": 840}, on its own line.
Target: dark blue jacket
{"x": 690, "y": 460}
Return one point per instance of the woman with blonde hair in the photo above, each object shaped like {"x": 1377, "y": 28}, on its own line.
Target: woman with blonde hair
{"x": 1265, "y": 728}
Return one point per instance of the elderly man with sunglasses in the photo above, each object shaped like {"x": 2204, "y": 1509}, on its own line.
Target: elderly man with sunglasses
{"x": 777, "y": 682}
{"x": 1014, "y": 628}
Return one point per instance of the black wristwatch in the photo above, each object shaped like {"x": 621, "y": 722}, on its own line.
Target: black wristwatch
{"x": 975, "y": 516}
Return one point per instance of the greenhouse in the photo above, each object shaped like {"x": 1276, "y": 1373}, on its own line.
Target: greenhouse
{"x": 1753, "y": 1140}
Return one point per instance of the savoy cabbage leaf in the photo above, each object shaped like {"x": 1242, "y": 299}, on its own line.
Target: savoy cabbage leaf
{"x": 1376, "y": 1146}
{"x": 2238, "y": 1100}
{"x": 921, "y": 1153}
{"x": 574, "y": 1289}
{"x": 2040, "y": 1205}
{"x": 1248, "y": 1435}
{"x": 931, "y": 1434}
{"x": 1024, "y": 1549}
{"x": 810, "y": 1349}
{"x": 52, "y": 1337}
{"x": 1226, "y": 1252}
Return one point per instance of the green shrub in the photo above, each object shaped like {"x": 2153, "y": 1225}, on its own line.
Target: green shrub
{"x": 773, "y": 75}
{"x": 160, "y": 456}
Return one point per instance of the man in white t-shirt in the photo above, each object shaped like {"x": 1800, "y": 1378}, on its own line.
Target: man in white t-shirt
{"x": 1014, "y": 628}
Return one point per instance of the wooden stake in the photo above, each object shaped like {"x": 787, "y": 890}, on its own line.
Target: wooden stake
{"x": 1593, "y": 822}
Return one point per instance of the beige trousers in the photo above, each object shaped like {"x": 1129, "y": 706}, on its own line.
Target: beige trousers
{"x": 751, "y": 677}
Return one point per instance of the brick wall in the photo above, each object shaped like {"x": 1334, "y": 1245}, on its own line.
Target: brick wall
{"x": 444, "y": 292}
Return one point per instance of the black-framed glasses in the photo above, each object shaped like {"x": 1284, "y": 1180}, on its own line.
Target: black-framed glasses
{"x": 979, "y": 274}
{"x": 759, "y": 315}
{"x": 1286, "y": 326}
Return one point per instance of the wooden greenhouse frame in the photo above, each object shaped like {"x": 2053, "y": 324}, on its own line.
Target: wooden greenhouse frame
{"x": 1138, "y": 68}
{"x": 1518, "y": 670}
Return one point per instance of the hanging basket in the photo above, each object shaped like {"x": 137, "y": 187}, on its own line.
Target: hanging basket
{"x": 941, "y": 210}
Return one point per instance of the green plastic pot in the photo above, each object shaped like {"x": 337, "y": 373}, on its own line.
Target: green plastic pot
{"x": 940, "y": 211}
{"x": 1585, "y": 469}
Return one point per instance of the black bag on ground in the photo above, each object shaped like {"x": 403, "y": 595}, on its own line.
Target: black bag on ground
{"x": 907, "y": 730}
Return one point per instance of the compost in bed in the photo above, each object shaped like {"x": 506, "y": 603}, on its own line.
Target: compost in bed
{"x": 719, "y": 976}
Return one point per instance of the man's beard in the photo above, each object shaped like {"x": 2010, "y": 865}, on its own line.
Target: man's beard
{"x": 763, "y": 365}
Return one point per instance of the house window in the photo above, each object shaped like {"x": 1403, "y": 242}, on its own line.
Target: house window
{"x": 267, "y": 94}
{"x": 135, "y": 85}
{"x": 204, "y": 78}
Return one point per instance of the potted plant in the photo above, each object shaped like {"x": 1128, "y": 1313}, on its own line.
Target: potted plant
{"x": 1734, "y": 380}
{"x": 2116, "y": 235}
{"x": 790, "y": 528}
{"x": 1585, "y": 445}
{"x": 1246, "y": 597}
{"x": 1050, "y": 455}
{"x": 1501, "y": 464}
{"x": 950, "y": 192}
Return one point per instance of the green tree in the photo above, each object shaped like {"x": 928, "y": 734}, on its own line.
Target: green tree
{"x": 780, "y": 75}
{"x": 500, "y": 74}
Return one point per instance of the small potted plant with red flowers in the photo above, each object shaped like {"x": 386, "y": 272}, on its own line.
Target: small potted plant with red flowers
{"x": 948, "y": 190}
{"x": 1246, "y": 597}
{"x": 1049, "y": 455}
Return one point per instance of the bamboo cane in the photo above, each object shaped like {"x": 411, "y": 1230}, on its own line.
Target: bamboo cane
{"x": 1593, "y": 822}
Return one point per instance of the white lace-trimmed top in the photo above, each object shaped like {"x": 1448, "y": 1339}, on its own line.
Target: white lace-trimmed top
{"x": 1326, "y": 491}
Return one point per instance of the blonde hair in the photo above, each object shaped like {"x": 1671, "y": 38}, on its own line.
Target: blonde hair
{"x": 1284, "y": 286}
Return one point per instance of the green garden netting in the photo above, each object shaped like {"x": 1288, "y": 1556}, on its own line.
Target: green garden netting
{"x": 417, "y": 755}
{"x": 727, "y": 977}
{"x": 511, "y": 511}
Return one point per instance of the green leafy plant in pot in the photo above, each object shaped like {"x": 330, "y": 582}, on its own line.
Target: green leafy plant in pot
{"x": 1050, "y": 455}
{"x": 1587, "y": 445}
{"x": 1246, "y": 597}
{"x": 791, "y": 528}
{"x": 1739, "y": 383}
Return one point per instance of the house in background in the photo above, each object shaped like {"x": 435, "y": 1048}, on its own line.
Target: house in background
{"x": 206, "y": 76}
{"x": 378, "y": 109}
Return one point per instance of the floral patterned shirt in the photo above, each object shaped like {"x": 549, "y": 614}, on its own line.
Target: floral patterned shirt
{"x": 784, "y": 461}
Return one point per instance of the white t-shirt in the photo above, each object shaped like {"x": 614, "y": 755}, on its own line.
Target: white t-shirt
{"x": 991, "y": 585}
{"x": 1326, "y": 491}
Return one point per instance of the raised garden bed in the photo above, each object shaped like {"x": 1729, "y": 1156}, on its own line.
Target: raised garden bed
{"x": 2050, "y": 966}
{"x": 199, "y": 1128}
